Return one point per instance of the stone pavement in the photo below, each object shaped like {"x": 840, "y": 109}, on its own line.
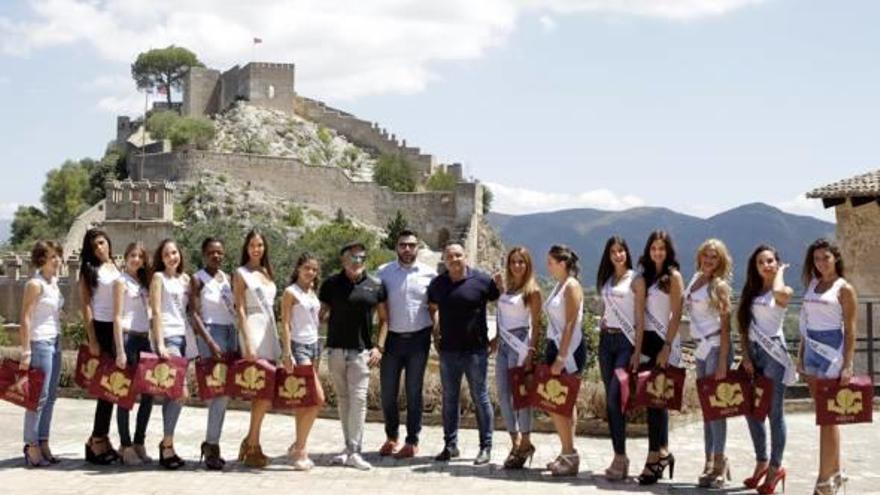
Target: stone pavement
{"x": 73, "y": 423}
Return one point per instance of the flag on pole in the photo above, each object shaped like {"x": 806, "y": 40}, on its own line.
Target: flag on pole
{"x": 257, "y": 41}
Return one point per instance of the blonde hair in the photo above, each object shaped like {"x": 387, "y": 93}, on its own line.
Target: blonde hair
{"x": 721, "y": 276}
{"x": 527, "y": 285}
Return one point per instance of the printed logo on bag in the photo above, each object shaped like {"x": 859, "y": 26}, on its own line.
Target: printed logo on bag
{"x": 117, "y": 384}
{"x": 16, "y": 391}
{"x": 252, "y": 378}
{"x": 759, "y": 393}
{"x": 89, "y": 368}
{"x": 217, "y": 378}
{"x": 523, "y": 391}
{"x": 293, "y": 388}
{"x": 846, "y": 402}
{"x": 661, "y": 387}
{"x": 162, "y": 375}
{"x": 554, "y": 391}
{"x": 727, "y": 395}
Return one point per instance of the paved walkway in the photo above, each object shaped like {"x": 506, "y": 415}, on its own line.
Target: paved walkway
{"x": 73, "y": 476}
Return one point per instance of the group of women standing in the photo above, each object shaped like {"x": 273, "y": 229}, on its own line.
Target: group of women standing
{"x": 145, "y": 307}
{"x": 639, "y": 329}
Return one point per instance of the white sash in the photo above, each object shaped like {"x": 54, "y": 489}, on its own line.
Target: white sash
{"x": 626, "y": 326}
{"x": 705, "y": 345}
{"x": 519, "y": 346}
{"x": 832, "y": 355}
{"x": 675, "y": 350}
{"x": 265, "y": 305}
{"x": 225, "y": 291}
{"x": 191, "y": 351}
{"x": 776, "y": 349}
{"x": 555, "y": 335}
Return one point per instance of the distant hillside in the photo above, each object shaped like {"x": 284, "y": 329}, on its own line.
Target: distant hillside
{"x": 741, "y": 229}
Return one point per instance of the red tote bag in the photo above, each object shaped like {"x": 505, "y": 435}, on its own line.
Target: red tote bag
{"x": 21, "y": 388}
{"x": 114, "y": 385}
{"x": 86, "y": 367}
{"x": 555, "y": 394}
{"x": 212, "y": 376}
{"x": 160, "y": 377}
{"x": 252, "y": 380}
{"x": 522, "y": 387}
{"x": 725, "y": 398}
{"x": 295, "y": 389}
{"x": 660, "y": 388}
{"x": 837, "y": 405}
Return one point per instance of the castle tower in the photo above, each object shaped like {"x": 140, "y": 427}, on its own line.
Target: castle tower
{"x": 140, "y": 211}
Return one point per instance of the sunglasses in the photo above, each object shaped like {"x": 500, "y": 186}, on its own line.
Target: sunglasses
{"x": 357, "y": 258}
{"x": 410, "y": 245}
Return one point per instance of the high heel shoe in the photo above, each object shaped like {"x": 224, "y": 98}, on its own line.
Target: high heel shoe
{"x": 840, "y": 478}
{"x": 755, "y": 480}
{"x": 29, "y": 461}
{"x": 770, "y": 483}
{"x": 518, "y": 457}
{"x": 566, "y": 465}
{"x": 168, "y": 458}
{"x": 211, "y": 456}
{"x": 252, "y": 455}
{"x": 720, "y": 474}
{"x": 618, "y": 470}
{"x": 47, "y": 453}
{"x": 827, "y": 487}
{"x": 656, "y": 469}
{"x": 106, "y": 457}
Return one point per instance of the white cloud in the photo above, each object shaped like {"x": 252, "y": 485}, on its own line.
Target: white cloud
{"x": 518, "y": 200}
{"x": 547, "y": 23}
{"x": 801, "y": 205}
{"x": 342, "y": 49}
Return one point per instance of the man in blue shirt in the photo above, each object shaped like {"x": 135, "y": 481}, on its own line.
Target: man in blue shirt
{"x": 457, "y": 302}
{"x": 404, "y": 341}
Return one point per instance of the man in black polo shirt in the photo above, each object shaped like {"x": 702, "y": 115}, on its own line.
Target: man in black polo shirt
{"x": 457, "y": 301}
{"x": 351, "y": 297}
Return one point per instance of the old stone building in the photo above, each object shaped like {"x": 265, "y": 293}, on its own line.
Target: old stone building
{"x": 138, "y": 211}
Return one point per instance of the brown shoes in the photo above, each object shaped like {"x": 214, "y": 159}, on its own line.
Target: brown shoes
{"x": 388, "y": 448}
{"x": 408, "y": 450}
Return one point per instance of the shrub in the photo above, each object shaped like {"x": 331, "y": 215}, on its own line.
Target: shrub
{"x": 181, "y": 130}
{"x": 394, "y": 228}
{"x": 441, "y": 181}
{"x": 295, "y": 216}
{"x": 394, "y": 172}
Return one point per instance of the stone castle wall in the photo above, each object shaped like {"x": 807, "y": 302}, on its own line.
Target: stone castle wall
{"x": 437, "y": 216}
{"x": 858, "y": 229}
{"x": 268, "y": 85}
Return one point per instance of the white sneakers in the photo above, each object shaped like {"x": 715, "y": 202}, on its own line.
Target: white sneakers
{"x": 356, "y": 461}
{"x": 340, "y": 458}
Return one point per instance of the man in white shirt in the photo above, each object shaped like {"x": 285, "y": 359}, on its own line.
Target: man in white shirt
{"x": 404, "y": 341}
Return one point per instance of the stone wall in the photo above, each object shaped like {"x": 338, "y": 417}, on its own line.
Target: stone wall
{"x": 858, "y": 230}
{"x": 18, "y": 271}
{"x": 86, "y": 219}
{"x": 201, "y": 92}
{"x": 430, "y": 213}
{"x": 268, "y": 85}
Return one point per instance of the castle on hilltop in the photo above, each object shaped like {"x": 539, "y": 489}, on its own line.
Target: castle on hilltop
{"x": 438, "y": 216}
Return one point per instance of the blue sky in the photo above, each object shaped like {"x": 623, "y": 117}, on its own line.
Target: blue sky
{"x": 696, "y": 105}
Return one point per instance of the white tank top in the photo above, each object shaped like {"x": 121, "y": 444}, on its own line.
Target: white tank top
{"x": 621, "y": 297}
{"x": 102, "y": 295}
{"x": 213, "y": 297}
{"x": 555, "y": 308}
{"x": 252, "y": 303}
{"x": 657, "y": 304}
{"x": 304, "y": 316}
{"x": 513, "y": 312}
{"x": 175, "y": 296}
{"x": 45, "y": 314}
{"x": 135, "y": 313}
{"x": 705, "y": 320}
{"x": 823, "y": 311}
{"x": 767, "y": 316}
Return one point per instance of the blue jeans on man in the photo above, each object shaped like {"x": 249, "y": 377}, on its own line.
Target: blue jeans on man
{"x": 473, "y": 365}
{"x": 404, "y": 352}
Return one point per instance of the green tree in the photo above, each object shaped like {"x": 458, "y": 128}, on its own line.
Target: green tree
{"x": 326, "y": 240}
{"x": 394, "y": 228}
{"x": 441, "y": 181}
{"x": 111, "y": 167}
{"x": 163, "y": 68}
{"x": 65, "y": 193}
{"x": 28, "y": 225}
{"x": 181, "y": 130}
{"x": 488, "y": 197}
{"x": 395, "y": 172}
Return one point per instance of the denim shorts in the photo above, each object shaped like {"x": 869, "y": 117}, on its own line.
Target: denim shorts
{"x": 814, "y": 363}
{"x": 580, "y": 355}
{"x": 306, "y": 353}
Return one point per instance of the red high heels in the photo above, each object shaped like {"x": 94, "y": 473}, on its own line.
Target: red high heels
{"x": 755, "y": 480}
{"x": 769, "y": 485}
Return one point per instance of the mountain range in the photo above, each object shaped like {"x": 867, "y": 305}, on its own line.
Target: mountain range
{"x": 741, "y": 229}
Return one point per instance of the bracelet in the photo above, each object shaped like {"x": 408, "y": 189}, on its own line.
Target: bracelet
{"x": 560, "y": 359}
{"x": 25, "y": 353}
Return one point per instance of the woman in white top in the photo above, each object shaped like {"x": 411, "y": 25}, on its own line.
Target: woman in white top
{"x": 97, "y": 273}
{"x": 254, "y": 291}
{"x": 760, "y": 317}
{"x": 40, "y": 332}
{"x": 707, "y": 298}
{"x": 658, "y": 314}
{"x": 169, "y": 299}
{"x": 614, "y": 280}
{"x": 828, "y": 334}
{"x": 519, "y": 329}
{"x": 131, "y": 326}
{"x": 300, "y": 308}
{"x": 565, "y": 347}
{"x": 213, "y": 317}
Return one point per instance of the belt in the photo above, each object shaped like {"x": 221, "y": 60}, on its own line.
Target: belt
{"x": 611, "y": 331}
{"x": 142, "y": 335}
{"x": 409, "y": 335}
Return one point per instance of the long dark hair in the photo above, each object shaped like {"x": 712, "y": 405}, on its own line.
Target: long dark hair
{"x": 753, "y": 287}
{"x": 810, "y": 271}
{"x": 145, "y": 271}
{"x": 264, "y": 261}
{"x": 564, "y": 254}
{"x": 649, "y": 270}
{"x": 159, "y": 264}
{"x": 302, "y": 260}
{"x": 89, "y": 264}
{"x": 606, "y": 267}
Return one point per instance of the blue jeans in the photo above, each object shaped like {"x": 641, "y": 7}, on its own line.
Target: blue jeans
{"x": 409, "y": 353}
{"x": 171, "y": 408}
{"x": 226, "y": 337}
{"x": 516, "y": 421}
{"x": 714, "y": 432}
{"x": 305, "y": 353}
{"x": 474, "y": 366}
{"x": 46, "y": 357}
{"x": 767, "y": 366}
{"x": 814, "y": 363}
{"x": 135, "y": 343}
{"x": 615, "y": 352}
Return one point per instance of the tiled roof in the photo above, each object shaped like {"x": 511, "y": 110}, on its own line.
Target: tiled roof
{"x": 861, "y": 185}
